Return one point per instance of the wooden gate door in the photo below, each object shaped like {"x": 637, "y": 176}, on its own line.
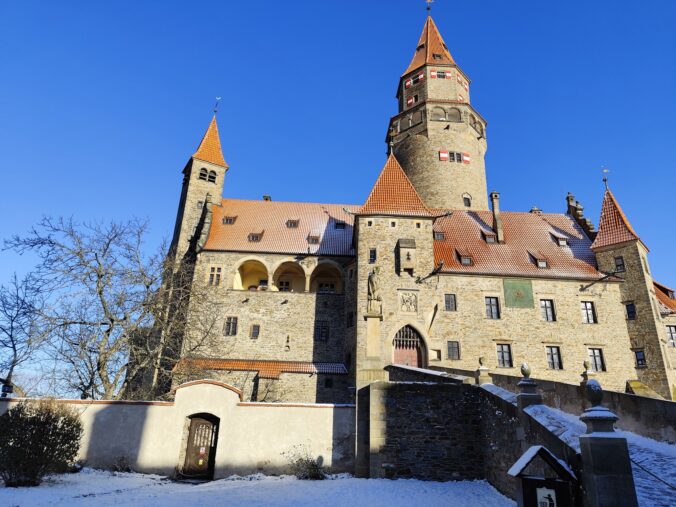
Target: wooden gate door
{"x": 408, "y": 348}
{"x": 200, "y": 452}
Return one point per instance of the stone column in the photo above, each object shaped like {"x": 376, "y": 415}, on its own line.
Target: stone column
{"x": 307, "y": 283}
{"x": 606, "y": 468}
{"x": 482, "y": 374}
{"x": 528, "y": 393}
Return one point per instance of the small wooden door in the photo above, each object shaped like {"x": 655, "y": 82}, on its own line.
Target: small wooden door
{"x": 408, "y": 348}
{"x": 200, "y": 452}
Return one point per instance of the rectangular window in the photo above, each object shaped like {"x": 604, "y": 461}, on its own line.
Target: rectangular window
{"x": 640, "y": 359}
{"x": 230, "y": 328}
{"x": 439, "y": 236}
{"x": 596, "y": 359}
{"x": 547, "y": 310}
{"x": 327, "y": 288}
{"x": 492, "y": 308}
{"x": 284, "y": 286}
{"x": 255, "y": 331}
{"x": 215, "y": 276}
{"x": 372, "y": 256}
{"x": 292, "y": 224}
{"x": 504, "y": 355}
{"x": 321, "y": 331}
{"x": 450, "y": 303}
{"x": 554, "y": 361}
{"x": 453, "y": 350}
{"x": 340, "y": 224}
{"x": 631, "y": 311}
{"x": 671, "y": 335}
{"x": 588, "y": 312}
{"x": 619, "y": 265}
{"x": 255, "y": 237}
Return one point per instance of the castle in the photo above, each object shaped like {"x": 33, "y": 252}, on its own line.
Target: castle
{"x": 315, "y": 300}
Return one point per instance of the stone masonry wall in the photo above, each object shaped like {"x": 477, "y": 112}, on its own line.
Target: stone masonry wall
{"x": 522, "y": 328}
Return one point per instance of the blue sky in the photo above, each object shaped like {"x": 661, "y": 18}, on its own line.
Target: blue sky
{"x": 101, "y": 104}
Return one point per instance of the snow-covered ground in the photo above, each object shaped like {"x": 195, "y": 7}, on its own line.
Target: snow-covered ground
{"x": 99, "y": 488}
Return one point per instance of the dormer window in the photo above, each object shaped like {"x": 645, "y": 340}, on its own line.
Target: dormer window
{"x": 560, "y": 240}
{"x": 229, "y": 220}
{"x": 439, "y": 236}
{"x": 540, "y": 260}
{"x": 436, "y": 56}
{"x": 313, "y": 240}
{"x": 340, "y": 224}
{"x": 292, "y": 224}
{"x": 420, "y": 47}
{"x": 465, "y": 257}
{"x": 255, "y": 237}
{"x": 489, "y": 237}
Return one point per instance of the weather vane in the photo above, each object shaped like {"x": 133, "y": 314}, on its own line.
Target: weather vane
{"x": 429, "y": 4}
{"x": 218, "y": 100}
{"x": 605, "y": 172}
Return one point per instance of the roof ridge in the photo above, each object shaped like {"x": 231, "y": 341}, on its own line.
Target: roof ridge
{"x": 267, "y": 203}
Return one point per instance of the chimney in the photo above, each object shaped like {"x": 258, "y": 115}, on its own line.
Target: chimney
{"x": 497, "y": 220}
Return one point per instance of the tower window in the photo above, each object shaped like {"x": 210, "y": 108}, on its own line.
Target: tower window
{"x": 212, "y": 177}
{"x": 438, "y": 114}
{"x": 631, "y": 311}
{"x": 204, "y": 174}
{"x": 467, "y": 201}
{"x": 619, "y": 265}
{"x": 454, "y": 115}
{"x": 292, "y": 224}
{"x": 640, "y": 358}
{"x": 372, "y": 256}
{"x": 436, "y": 56}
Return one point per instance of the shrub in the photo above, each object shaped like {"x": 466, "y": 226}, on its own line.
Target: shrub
{"x": 37, "y": 438}
{"x": 303, "y": 466}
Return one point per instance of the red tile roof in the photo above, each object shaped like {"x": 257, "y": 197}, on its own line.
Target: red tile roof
{"x": 209, "y": 149}
{"x": 394, "y": 194}
{"x": 525, "y": 233}
{"x": 614, "y": 228}
{"x": 265, "y": 369}
{"x": 430, "y": 43}
{"x": 270, "y": 218}
{"x": 662, "y": 292}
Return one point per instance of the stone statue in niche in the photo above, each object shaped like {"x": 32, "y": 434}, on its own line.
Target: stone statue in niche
{"x": 375, "y": 300}
{"x": 409, "y": 302}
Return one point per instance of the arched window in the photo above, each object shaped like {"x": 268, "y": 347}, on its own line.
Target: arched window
{"x": 212, "y": 177}
{"x": 454, "y": 115}
{"x": 438, "y": 114}
{"x": 467, "y": 200}
{"x": 204, "y": 174}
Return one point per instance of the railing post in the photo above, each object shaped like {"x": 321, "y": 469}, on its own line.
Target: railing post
{"x": 606, "y": 467}
{"x": 482, "y": 374}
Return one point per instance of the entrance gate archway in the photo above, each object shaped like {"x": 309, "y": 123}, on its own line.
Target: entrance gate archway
{"x": 409, "y": 348}
{"x": 200, "y": 451}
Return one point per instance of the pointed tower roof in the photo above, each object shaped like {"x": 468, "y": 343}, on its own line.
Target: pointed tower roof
{"x": 209, "y": 149}
{"x": 431, "y": 43}
{"x": 614, "y": 228}
{"x": 394, "y": 194}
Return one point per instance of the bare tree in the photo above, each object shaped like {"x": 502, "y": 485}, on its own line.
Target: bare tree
{"x": 20, "y": 335}
{"x": 116, "y": 316}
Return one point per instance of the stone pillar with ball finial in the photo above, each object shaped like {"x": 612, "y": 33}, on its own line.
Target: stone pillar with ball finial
{"x": 482, "y": 374}
{"x": 528, "y": 392}
{"x": 606, "y": 467}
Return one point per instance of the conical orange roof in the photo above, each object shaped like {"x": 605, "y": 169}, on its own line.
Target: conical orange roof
{"x": 394, "y": 194}
{"x": 430, "y": 44}
{"x": 614, "y": 228}
{"x": 209, "y": 149}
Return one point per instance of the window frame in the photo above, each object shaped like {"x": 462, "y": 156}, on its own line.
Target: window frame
{"x": 230, "y": 325}
{"x": 671, "y": 335}
{"x": 586, "y": 314}
{"x": 547, "y": 311}
{"x": 594, "y": 357}
{"x": 554, "y": 358}
{"x": 450, "y": 302}
{"x": 492, "y": 304}
{"x": 630, "y": 314}
{"x": 322, "y": 331}
{"x": 640, "y": 363}
{"x": 620, "y": 267}
{"x": 255, "y": 331}
{"x": 373, "y": 255}
{"x": 215, "y": 276}
{"x": 453, "y": 346}
{"x": 504, "y": 351}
